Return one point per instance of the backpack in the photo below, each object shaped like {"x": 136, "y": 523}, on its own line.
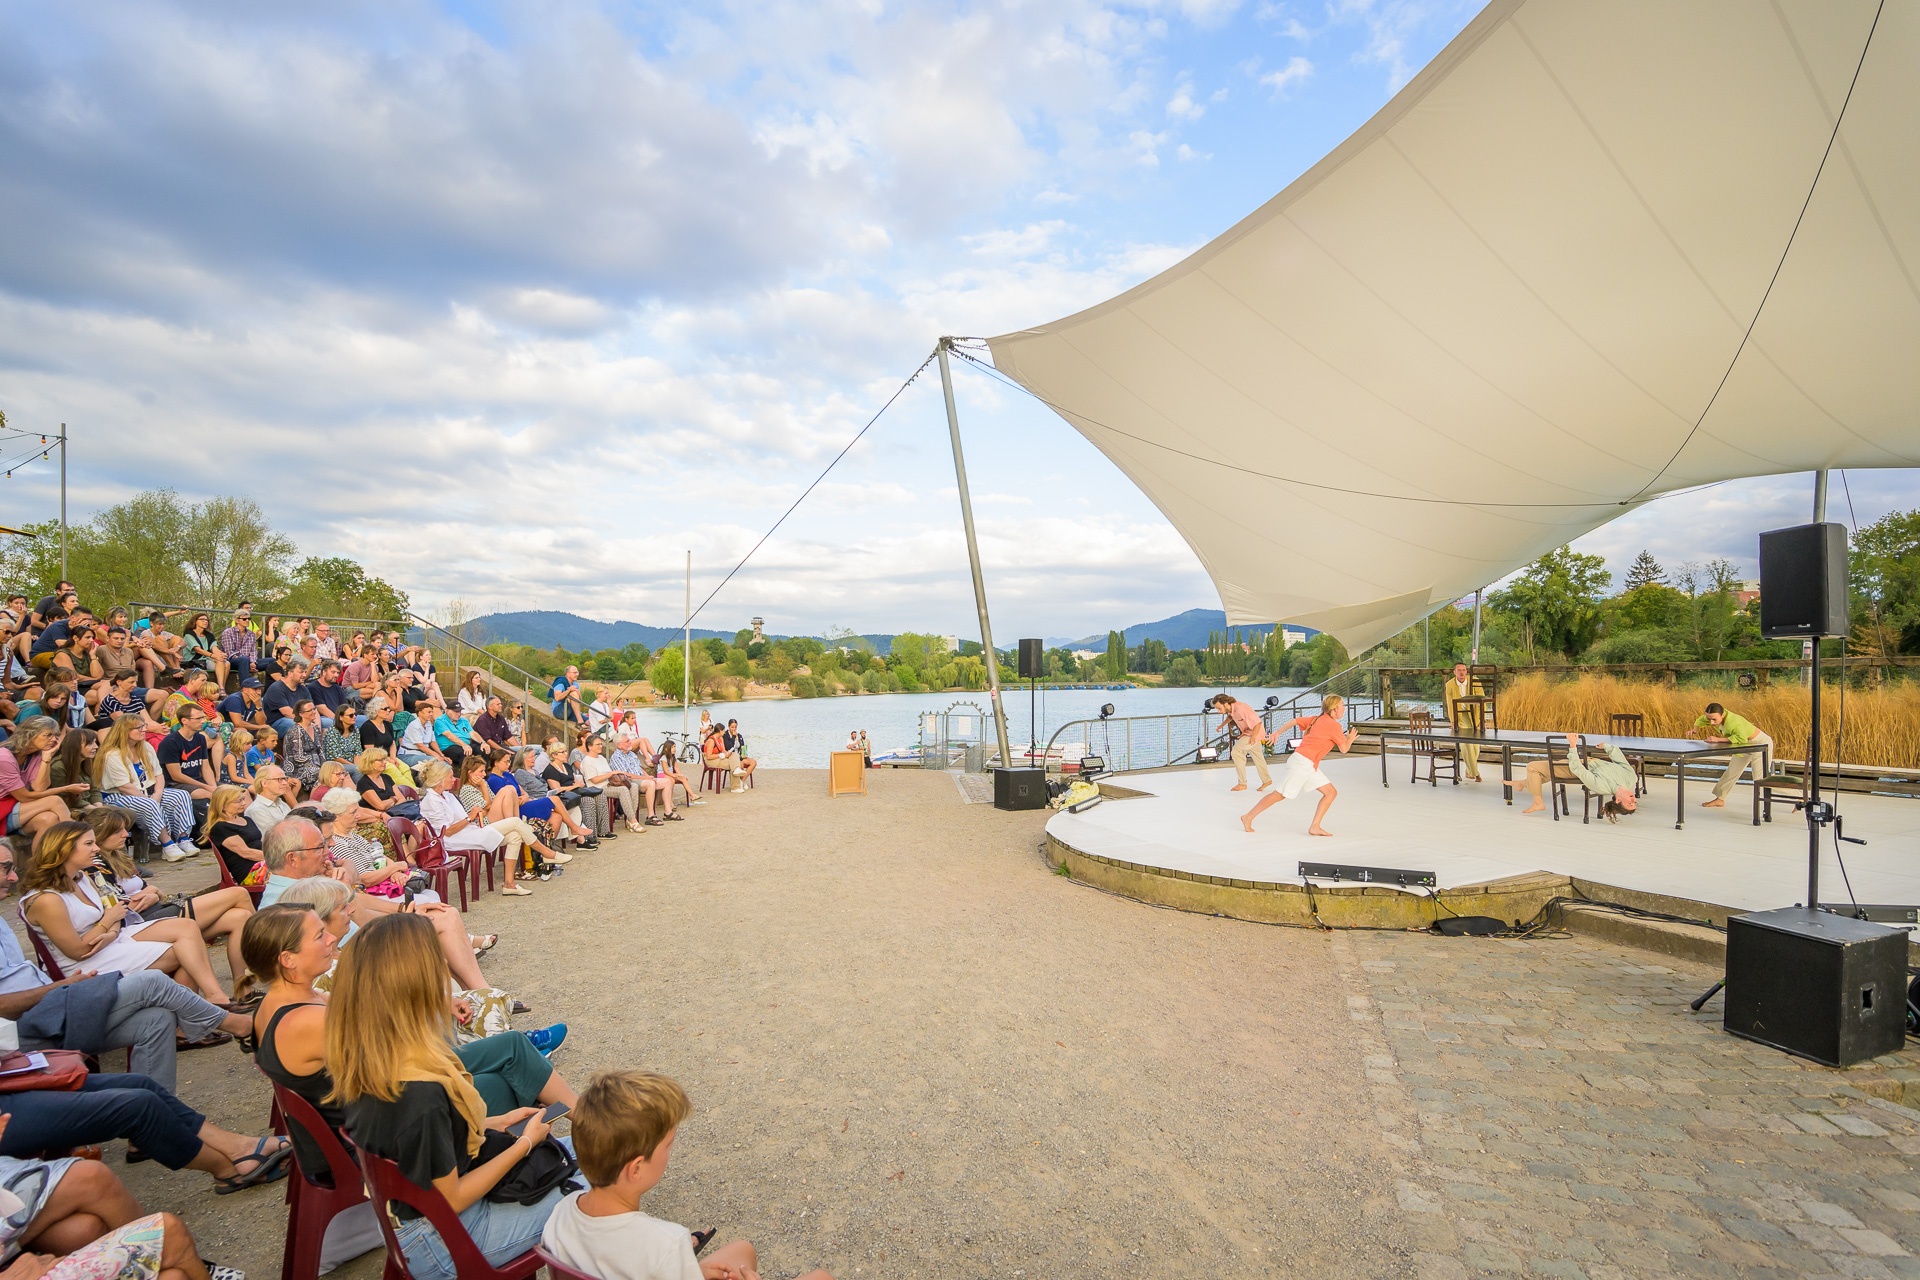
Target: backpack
{"x": 542, "y": 1169}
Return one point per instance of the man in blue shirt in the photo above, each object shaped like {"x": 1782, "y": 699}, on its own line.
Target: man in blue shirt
{"x": 243, "y": 709}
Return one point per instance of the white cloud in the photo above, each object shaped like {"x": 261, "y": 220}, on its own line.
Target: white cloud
{"x": 1182, "y": 106}
{"x": 1296, "y": 70}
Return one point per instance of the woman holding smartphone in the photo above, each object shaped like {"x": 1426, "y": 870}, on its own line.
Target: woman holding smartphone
{"x": 407, "y": 1096}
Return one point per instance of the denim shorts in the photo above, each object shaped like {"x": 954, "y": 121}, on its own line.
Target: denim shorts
{"x": 500, "y": 1231}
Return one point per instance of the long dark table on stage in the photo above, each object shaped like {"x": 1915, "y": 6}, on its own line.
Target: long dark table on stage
{"x": 1678, "y": 751}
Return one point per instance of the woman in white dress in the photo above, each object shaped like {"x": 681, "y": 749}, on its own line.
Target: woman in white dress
{"x": 64, "y": 908}
{"x": 461, "y": 830}
{"x": 473, "y": 699}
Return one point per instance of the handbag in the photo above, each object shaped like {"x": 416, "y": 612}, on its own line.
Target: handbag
{"x": 65, "y": 1071}
{"x": 593, "y": 791}
{"x": 409, "y": 809}
{"x": 547, "y": 1166}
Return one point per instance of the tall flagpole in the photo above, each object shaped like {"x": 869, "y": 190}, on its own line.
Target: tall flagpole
{"x": 686, "y": 651}
{"x": 63, "y": 501}
{"x": 987, "y": 651}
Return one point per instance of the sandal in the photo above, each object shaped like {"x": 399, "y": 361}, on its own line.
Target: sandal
{"x": 268, "y": 1166}
{"x": 701, "y": 1239}
{"x": 485, "y": 941}
{"x": 211, "y": 1040}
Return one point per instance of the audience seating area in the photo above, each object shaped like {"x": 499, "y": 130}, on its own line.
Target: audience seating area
{"x": 298, "y": 753}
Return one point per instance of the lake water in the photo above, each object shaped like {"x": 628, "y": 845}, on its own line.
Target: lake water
{"x": 798, "y": 733}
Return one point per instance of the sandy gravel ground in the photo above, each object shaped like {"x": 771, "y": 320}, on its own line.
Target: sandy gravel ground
{"x": 913, "y": 1051}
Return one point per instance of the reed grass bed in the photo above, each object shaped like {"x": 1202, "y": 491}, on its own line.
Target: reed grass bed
{"x": 1882, "y": 725}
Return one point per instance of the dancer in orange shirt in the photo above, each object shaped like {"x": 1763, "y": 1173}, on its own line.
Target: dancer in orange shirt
{"x": 1303, "y": 767}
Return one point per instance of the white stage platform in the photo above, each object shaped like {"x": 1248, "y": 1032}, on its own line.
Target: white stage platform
{"x": 1190, "y": 822}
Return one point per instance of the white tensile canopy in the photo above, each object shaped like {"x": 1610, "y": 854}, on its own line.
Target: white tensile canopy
{"x": 1592, "y": 254}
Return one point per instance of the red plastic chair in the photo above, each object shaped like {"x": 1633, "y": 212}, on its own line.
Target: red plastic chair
{"x": 49, "y": 959}
{"x": 559, "y": 1270}
{"x": 312, "y": 1203}
{"x": 430, "y": 853}
{"x": 227, "y": 880}
{"x": 384, "y": 1178}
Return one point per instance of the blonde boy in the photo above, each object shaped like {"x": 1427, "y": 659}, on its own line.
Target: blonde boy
{"x": 623, "y": 1131}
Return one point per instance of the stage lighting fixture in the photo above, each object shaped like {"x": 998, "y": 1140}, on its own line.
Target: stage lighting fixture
{"x": 1106, "y": 709}
{"x": 1273, "y": 700}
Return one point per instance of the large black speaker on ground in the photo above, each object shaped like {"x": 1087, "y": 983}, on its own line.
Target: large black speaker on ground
{"x": 1823, "y": 986}
{"x": 1019, "y": 788}
{"x": 1803, "y": 582}
{"x": 1032, "y": 660}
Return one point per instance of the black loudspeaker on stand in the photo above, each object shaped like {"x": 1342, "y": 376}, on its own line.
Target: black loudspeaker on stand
{"x": 1808, "y": 981}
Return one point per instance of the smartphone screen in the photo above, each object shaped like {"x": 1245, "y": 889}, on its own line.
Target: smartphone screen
{"x": 553, "y": 1112}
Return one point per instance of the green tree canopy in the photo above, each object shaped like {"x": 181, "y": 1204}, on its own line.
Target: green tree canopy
{"x": 1556, "y": 602}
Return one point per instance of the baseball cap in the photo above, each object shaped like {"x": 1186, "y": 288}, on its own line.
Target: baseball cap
{"x": 252, "y": 682}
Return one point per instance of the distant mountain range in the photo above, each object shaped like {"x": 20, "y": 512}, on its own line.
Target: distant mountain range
{"x": 1182, "y": 631}
{"x": 548, "y": 628}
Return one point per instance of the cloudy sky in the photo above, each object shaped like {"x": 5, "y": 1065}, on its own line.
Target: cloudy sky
{"x": 519, "y": 302}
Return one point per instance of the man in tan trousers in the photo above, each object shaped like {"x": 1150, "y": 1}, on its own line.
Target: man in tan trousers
{"x": 1460, "y": 687}
{"x": 1247, "y": 747}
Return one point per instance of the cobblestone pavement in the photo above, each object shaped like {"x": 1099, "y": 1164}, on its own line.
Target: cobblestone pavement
{"x": 1557, "y": 1110}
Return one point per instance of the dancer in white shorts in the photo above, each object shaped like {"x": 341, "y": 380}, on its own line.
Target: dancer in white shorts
{"x": 1303, "y": 767}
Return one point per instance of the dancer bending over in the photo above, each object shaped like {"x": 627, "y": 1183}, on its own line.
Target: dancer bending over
{"x": 1612, "y": 779}
{"x": 1303, "y": 767}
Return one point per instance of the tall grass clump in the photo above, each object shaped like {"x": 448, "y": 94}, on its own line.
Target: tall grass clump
{"x": 1882, "y": 725}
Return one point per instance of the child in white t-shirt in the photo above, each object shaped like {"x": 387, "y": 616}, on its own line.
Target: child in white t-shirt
{"x": 623, "y": 1131}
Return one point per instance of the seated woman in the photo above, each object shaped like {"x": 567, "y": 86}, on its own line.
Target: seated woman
{"x": 128, "y": 774}
{"x": 721, "y": 758}
{"x": 218, "y": 913}
{"x": 563, "y": 776}
{"x": 302, "y": 750}
{"x": 62, "y": 905}
{"x": 201, "y": 648}
{"x": 1612, "y": 779}
{"x": 666, "y": 770}
{"x": 307, "y": 963}
{"x": 378, "y": 788}
{"x": 536, "y": 804}
{"x": 463, "y": 828}
{"x": 73, "y": 763}
{"x": 366, "y": 848}
{"x": 472, "y": 700}
{"x": 503, "y": 806}
{"x": 598, "y": 771}
{"x": 234, "y": 836}
{"x": 67, "y": 1206}
{"x": 409, "y": 1098}
{"x": 31, "y": 802}
{"x": 534, "y": 787}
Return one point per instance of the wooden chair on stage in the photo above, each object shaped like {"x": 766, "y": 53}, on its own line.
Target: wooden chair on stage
{"x": 1563, "y": 777}
{"x": 1631, "y": 724}
{"x": 1792, "y": 787}
{"x": 1441, "y": 755}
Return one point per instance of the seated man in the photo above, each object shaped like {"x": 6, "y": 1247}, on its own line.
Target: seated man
{"x": 328, "y": 694}
{"x": 629, "y": 762}
{"x": 148, "y": 1014}
{"x": 453, "y": 735}
{"x": 491, "y": 726}
{"x": 288, "y": 688}
{"x": 244, "y": 710}
{"x": 297, "y": 849}
{"x": 240, "y": 642}
{"x": 1612, "y": 779}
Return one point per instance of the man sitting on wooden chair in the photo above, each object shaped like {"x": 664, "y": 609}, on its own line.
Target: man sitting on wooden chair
{"x": 1612, "y": 776}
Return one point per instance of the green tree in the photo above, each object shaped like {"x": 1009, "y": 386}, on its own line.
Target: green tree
{"x": 737, "y": 664}
{"x": 1555, "y": 602}
{"x": 716, "y": 648}
{"x": 230, "y": 553}
{"x": 635, "y": 655}
{"x": 1116, "y": 664}
{"x": 743, "y": 637}
{"x": 1885, "y": 578}
{"x": 336, "y": 586}
{"x": 1183, "y": 672}
{"x": 1644, "y": 571}
{"x": 609, "y": 667}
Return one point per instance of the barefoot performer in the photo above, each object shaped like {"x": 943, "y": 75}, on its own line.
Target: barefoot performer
{"x": 1247, "y": 747}
{"x": 1612, "y": 779}
{"x": 1303, "y": 767}
{"x": 1460, "y": 686}
{"x": 1722, "y": 725}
